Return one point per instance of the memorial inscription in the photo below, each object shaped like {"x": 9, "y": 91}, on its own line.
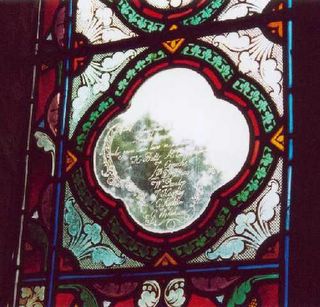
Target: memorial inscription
{"x": 165, "y": 167}
{"x": 164, "y": 184}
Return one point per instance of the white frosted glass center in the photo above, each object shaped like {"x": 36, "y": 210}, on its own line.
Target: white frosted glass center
{"x": 170, "y": 150}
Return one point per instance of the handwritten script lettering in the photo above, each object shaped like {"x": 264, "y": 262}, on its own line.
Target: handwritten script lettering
{"x": 165, "y": 183}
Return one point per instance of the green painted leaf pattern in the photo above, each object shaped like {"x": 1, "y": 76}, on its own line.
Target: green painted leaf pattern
{"x": 130, "y": 243}
{"x": 86, "y": 296}
{"x": 204, "y": 14}
{"x": 240, "y": 294}
{"x": 195, "y": 245}
{"x": 94, "y": 116}
{"x": 257, "y": 179}
{"x": 258, "y": 100}
{"x": 211, "y": 57}
{"x": 140, "y": 65}
{"x": 136, "y": 19}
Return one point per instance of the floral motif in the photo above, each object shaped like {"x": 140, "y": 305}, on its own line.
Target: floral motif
{"x": 211, "y": 57}
{"x": 241, "y": 8}
{"x": 251, "y": 228}
{"x": 129, "y": 243}
{"x": 259, "y": 101}
{"x": 136, "y": 19}
{"x": 32, "y": 296}
{"x": 174, "y": 295}
{"x": 86, "y": 239}
{"x": 47, "y": 144}
{"x": 103, "y": 106}
{"x": 150, "y": 295}
{"x": 98, "y": 23}
{"x": 253, "y": 53}
{"x": 96, "y": 80}
{"x": 205, "y": 14}
{"x": 241, "y": 293}
{"x": 256, "y": 181}
{"x": 131, "y": 73}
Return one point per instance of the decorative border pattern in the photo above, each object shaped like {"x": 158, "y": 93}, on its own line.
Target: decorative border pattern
{"x": 143, "y": 18}
{"x": 259, "y": 101}
{"x": 137, "y": 20}
{"x": 220, "y": 73}
{"x": 215, "y": 60}
{"x": 205, "y": 13}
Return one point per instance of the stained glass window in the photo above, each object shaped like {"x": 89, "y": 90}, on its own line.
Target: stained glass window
{"x": 159, "y": 157}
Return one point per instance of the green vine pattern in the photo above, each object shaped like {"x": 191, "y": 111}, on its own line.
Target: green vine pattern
{"x": 195, "y": 245}
{"x": 240, "y": 294}
{"x": 205, "y": 14}
{"x": 103, "y": 106}
{"x": 89, "y": 202}
{"x": 136, "y": 19}
{"x": 140, "y": 65}
{"x": 259, "y": 101}
{"x": 211, "y": 57}
{"x": 130, "y": 243}
{"x": 257, "y": 179}
{"x": 86, "y": 296}
{"x": 86, "y": 239}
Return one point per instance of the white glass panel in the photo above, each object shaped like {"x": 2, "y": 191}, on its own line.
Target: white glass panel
{"x": 175, "y": 145}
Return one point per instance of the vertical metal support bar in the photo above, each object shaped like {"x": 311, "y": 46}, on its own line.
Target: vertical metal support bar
{"x": 60, "y": 163}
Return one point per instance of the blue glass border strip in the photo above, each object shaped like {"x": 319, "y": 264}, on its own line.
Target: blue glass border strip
{"x": 259, "y": 266}
{"x": 291, "y": 125}
{"x": 290, "y": 46}
{"x": 74, "y": 277}
{"x": 52, "y": 273}
{"x": 290, "y": 149}
{"x": 290, "y": 157}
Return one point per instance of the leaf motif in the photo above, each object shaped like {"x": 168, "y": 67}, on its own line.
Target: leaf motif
{"x": 39, "y": 292}
{"x": 239, "y": 295}
{"x": 44, "y": 142}
{"x": 227, "y": 249}
{"x": 174, "y": 293}
{"x": 72, "y": 218}
{"x": 107, "y": 256}
{"x": 32, "y": 297}
{"x": 26, "y": 292}
{"x": 268, "y": 203}
{"x": 244, "y": 221}
{"x": 150, "y": 295}
{"x": 86, "y": 296}
{"x": 94, "y": 232}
